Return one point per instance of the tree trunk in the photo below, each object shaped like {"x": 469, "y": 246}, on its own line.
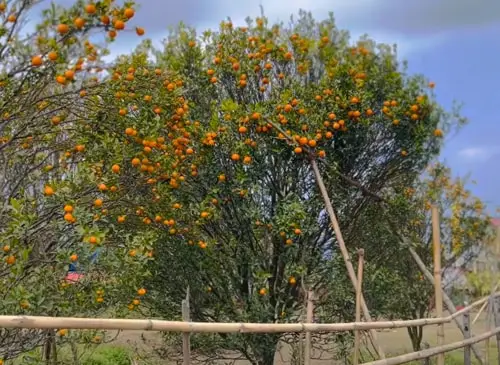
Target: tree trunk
{"x": 416, "y": 334}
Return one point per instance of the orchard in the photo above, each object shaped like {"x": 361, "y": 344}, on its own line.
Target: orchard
{"x": 193, "y": 166}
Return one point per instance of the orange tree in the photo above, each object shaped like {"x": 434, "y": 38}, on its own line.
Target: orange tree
{"x": 395, "y": 285}
{"x": 214, "y": 139}
{"x": 51, "y": 211}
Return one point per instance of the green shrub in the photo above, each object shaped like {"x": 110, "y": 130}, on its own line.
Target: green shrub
{"x": 108, "y": 356}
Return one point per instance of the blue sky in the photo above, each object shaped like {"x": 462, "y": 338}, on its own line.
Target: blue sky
{"x": 453, "y": 42}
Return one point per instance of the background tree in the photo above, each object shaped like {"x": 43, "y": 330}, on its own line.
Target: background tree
{"x": 48, "y": 87}
{"x": 399, "y": 290}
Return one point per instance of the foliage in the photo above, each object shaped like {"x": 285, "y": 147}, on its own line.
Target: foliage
{"x": 192, "y": 169}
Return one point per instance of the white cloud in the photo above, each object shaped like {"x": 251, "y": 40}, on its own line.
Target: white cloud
{"x": 479, "y": 154}
{"x": 348, "y": 15}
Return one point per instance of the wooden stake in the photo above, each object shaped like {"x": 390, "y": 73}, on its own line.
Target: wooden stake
{"x": 186, "y": 340}
{"x": 436, "y": 240}
{"x": 496, "y": 318}
{"x": 343, "y": 249}
{"x": 309, "y": 319}
{"x": 466, "y": 319}
{"x": 359, "y": 291}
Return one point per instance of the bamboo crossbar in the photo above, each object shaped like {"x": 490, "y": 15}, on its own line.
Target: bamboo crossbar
{"x": 435, "y": 350}
{"x": 35, "y": 322}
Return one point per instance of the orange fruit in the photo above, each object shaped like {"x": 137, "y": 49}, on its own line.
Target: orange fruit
{"x": 204, "y": 214}
{"x": 141, "y": 291}
{"x": 62, "y": 28}
{"x": 98, "y": 203}
{"x": 61, "y": 79}
{"x": 102, "y": 187}
{"x": 292, "y": 280}
{"x": 119, "y": 25}
{"x": 52, "y": 55}
{"x": 69, "y": 74}
{"x": 73, "y": 257}
{"x": 6, "y": 248}
{"x": 36, "y": 61}
{"x": 298, "y": 150}
{"x": 90, "y": 9}
{"x": 10, "y": 260}
{"x": 263, "y": 291}
{"x": 235, "y": 157}
{"x": 105, "y": 19}
{"x": 11, "y": 18}
{"x": 93, "y": 240}
{"x": 62, "y": 332}
{"x": 68, "y": 208}
{"x": 129, "y": 13}
{"x": 68, "y": 217}
{"x": 139, "y": 31}
{"x": 115, "y": 168}
{"x": 79, "y": 23}
{"x": 121, "y": 219}
{"x": 48, "y": 191}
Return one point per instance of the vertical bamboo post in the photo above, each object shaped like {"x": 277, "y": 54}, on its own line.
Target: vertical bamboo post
{"x": 467, "y": 335}
{"x": 359, "y": 291}
{"x": 186, "y": 341}
{"x": 496, "y": 317}
{"x": 436, "y": 240}
{"x": 489, "y": 314}
{"x": 309, "y": 319}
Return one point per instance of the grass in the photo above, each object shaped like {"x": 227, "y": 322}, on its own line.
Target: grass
{"x": 101, "y": 355}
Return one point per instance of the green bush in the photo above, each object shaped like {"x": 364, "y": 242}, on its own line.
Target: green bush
{"x": 108, "y": 356}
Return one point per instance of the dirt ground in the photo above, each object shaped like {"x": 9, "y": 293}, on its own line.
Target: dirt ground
{"x": 393, "y": 341}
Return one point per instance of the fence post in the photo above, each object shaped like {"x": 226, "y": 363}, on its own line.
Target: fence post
{"x": 186, "y": 342}
{"x": 496, "y": 316}
{"x": 309, "y": 319}
{"x": 359, "y": 290}
{"x": 489, "y": 313}
{"x": 436, "y": 240}
{"x": 467, "y": 334}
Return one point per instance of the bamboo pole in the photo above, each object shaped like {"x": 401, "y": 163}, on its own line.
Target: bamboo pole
{"x": 466, "y": 319}
{"x": 186, "y": 336}
{"x": 413, "y": 356}
{"x": 41, "y": 322}
{"x": 496, "y": 318}
{"x": 309, "y": 319}
{"x": 359, "y": 291}
{"x": 488, "y": 328}
{"x": 438, "y": 291}
{"x": 343, "y": 249}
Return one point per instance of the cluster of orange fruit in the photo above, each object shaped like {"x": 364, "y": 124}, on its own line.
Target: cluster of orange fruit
{"x": 10, "y": 259}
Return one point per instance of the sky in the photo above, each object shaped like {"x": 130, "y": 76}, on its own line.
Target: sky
{"x": 454, "y": 43}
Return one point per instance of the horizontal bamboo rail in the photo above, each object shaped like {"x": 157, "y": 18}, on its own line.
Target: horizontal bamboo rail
{"x": 178, "y": 326}
{"x": 412, "y": 356}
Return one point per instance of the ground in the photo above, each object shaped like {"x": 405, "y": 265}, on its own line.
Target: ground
{"x": 393, "y": 341}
